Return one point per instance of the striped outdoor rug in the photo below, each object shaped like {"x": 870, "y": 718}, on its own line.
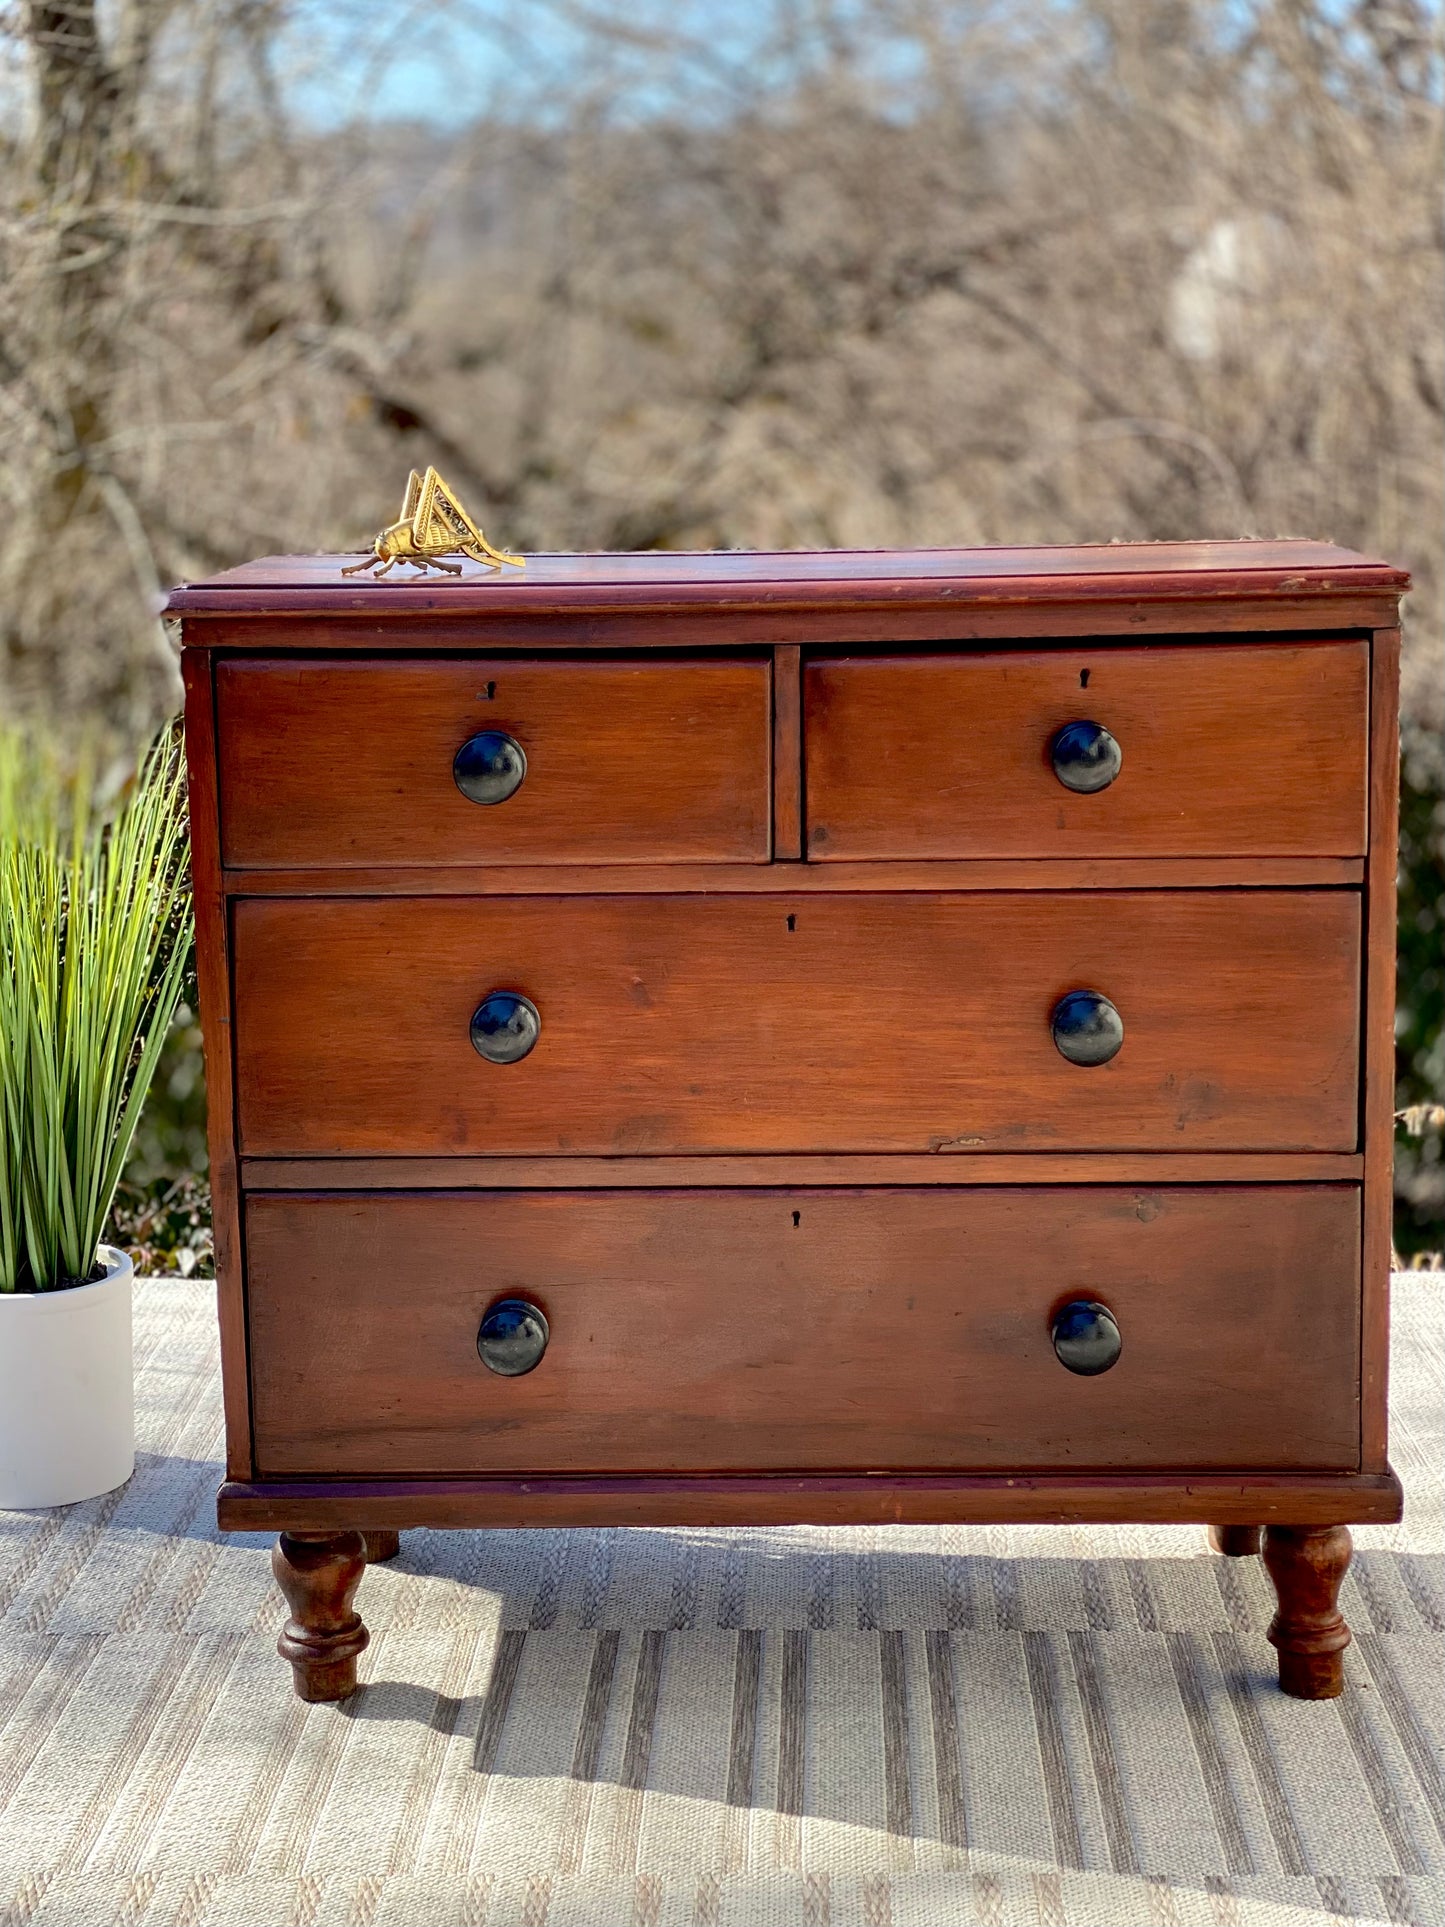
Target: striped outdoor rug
{"x": 893, "y": 1727}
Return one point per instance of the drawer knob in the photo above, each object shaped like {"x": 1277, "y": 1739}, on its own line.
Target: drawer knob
{"x": 489, "y": 767}
{"x": 505, "y": 1026}
{"x": 1087, "y": 1028}
{"x": 1086, "y": 1337}
{"x": 512, "y": 1337}
{"x": 1085, "y": 757}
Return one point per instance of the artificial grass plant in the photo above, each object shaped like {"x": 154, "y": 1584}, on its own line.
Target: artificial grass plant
{"x": 95, "y": 936}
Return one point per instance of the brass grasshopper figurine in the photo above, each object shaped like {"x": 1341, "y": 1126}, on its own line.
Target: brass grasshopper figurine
{"x": 433, "y": 524}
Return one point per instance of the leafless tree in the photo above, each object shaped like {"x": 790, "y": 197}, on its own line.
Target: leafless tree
{"x": 889, "y": 271}
{"x": 822, "y": 271}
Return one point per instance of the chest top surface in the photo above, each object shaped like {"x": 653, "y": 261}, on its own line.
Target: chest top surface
{"x": 666, "y": 582}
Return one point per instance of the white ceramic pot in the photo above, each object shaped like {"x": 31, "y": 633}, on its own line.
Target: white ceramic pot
{"x": 67, "y": 1404}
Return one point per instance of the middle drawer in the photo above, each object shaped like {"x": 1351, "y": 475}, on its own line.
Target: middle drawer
{"x": 852, "y": 1022}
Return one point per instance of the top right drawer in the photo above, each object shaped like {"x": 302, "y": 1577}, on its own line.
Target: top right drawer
{"x": 1206, "y": 749}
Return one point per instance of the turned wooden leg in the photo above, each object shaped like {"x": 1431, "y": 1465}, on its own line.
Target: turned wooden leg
{"x": 381, "y": 1546}
{"x": 319, "y": 1573}
{"x": 1307, "y": 1564}
{"x": 1235, "y": 1542}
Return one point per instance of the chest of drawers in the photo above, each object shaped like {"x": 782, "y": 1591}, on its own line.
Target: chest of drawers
{"x": 730, "y": 1039}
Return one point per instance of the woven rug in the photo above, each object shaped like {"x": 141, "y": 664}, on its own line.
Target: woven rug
{"x": 892, "y": 1727}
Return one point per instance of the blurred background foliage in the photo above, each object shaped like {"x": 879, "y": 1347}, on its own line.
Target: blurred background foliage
{"x": 1420, "y": 1018}
{"x": 679, "y": 273}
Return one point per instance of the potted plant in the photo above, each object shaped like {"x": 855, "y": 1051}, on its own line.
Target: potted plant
{"x": 95, "y": 934}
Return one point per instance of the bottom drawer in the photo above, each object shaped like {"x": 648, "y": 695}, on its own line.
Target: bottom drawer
{"x": 806, "y": 1330}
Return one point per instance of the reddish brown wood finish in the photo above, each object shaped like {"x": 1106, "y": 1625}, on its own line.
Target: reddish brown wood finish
{"x": 1378, "y": 1105}
{"x": 781, "y": 879}
{"x": 717, "y": 1499}
{"x": 213, "y": 974}
{"x": 939, "y": 1167}
{"x": 905, "y": 1023}
{"x": 787, "y": 753}
{"x": 806, "y": 1330}
{"x": 341, "y": 763}
{"x": 381, "y": 1546}
{"x": 876, "y": 942}
{"x": 949, "y": 756}
{"x": 660, "y": 583}
{"x": 1308, "y": 1565}
{"x": 1236, "y": 1542}
{"x": 296, "y": 620}
{"x": 318, "y": 1574}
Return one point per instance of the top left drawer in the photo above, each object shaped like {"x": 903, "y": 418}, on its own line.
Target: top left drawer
{"x": 336, "y": 763}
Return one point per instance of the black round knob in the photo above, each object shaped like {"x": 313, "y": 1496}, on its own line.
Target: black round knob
{"x": 489, "y": 767}
{"x": 505, "y": 1026}
{"x": 1087, "y": 1028}
{"x": 512, "y": 1337}
{"x": 1086, "y": 1337}
{"x": 1085, "y": 757}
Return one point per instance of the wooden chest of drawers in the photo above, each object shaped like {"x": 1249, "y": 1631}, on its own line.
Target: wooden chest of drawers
{"x": 838, "y": 1037}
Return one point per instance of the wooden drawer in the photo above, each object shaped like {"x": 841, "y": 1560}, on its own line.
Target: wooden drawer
{"x": 841, "y": 1022}
{"x": 776, "y": 1330}
{"x": 350, "y": 763}
{"x": 1227, "y": 750}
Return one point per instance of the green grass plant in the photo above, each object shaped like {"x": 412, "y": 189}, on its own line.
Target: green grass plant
{"x": 95, "y": 935}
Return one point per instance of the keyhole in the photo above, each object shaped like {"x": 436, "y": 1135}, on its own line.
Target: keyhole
{"x": 1083, "y": 679}
{"x": 792, "y": 923}
{"x": 489, "y": 692}
{"x": 797, "y": 1219}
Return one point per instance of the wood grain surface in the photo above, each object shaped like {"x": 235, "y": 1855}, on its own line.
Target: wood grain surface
{"x": 1308, "y": 1565}
{"x": 659, "y": 582}
{"x": 213, "y": 978}
{"x": 787, "y": 753}
{"x": 841, "y": 1023}
{"x": 795, "y": 1169}
{"x": 324, "y": 1635}
{"x": 641, "y": 619}
{"x": 806, "y": 1330}
{"x": 772, "y": 1168}
{"x": 824, "y": 1499}
{"x": 1234, "y": 750}
{"x": 1378, "y": 1107}
{"x": 345, "y": 763}
{"x": 670, "y": 879}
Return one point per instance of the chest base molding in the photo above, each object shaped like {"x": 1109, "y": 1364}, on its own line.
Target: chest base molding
{"x": 781, "y": 1499}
